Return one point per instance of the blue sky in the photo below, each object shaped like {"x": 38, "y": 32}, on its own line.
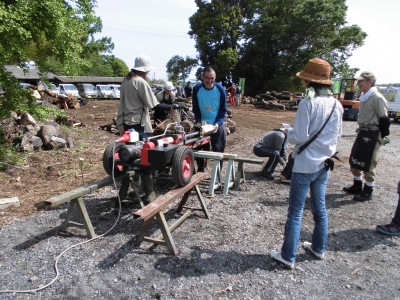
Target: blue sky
{"x": 158, "y": 28}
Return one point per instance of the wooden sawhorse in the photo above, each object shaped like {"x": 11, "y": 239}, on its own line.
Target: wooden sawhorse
{"x": 155, "y": 209}
{"x": 216, "y": 177}
{"x": 75, "y": 196}
{"x": 239, "y": 176}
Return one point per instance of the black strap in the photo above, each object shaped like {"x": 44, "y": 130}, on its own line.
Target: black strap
{"x": 304, "y": 146}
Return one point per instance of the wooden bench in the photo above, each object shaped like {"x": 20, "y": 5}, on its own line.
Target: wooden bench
{"x": 239, "y": 176}
{"x": 75, "y": 199}
{"x": 216, "y": 177}
{"x": 155, "y": 209}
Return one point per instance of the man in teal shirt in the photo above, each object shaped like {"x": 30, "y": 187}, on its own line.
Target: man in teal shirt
{"x": 209, "y": 105}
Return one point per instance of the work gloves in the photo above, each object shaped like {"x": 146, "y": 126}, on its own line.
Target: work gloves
{"x": 180, "y": 105}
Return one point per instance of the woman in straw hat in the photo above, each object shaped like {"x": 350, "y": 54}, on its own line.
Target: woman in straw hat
{"x": 309, "y": 171}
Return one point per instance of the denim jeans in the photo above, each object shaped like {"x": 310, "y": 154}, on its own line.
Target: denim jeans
{"x": 299, "y": 186}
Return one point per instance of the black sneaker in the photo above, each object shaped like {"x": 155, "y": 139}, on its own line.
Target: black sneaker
{"x": 267, "y": 174}
{"x": 389, "y": 229}
{"x": 362, "y": 197}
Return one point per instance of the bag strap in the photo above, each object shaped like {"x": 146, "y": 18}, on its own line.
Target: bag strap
{"x": 305, "y": 145}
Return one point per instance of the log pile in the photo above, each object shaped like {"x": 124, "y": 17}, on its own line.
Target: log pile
{"x": 273, "y": 100}
{"x": 31, "y": 135}
{"x": 61, "y": 101}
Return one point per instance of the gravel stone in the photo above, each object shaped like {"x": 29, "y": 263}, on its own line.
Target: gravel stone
{"x": 226, "y": 257}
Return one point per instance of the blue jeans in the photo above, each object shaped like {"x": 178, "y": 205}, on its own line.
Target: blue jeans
{"x": 299, "y": 186}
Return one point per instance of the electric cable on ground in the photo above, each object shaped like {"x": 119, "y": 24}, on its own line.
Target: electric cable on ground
{"x": 73, "y": 246}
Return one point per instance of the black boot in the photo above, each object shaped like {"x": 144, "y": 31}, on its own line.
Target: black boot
{"x": 148, "y": 186}
{"x": 356, "y": 188}
{"x": 365, "y": 195}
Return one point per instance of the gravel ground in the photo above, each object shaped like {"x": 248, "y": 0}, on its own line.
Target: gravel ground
{"x": 226, "y": 257}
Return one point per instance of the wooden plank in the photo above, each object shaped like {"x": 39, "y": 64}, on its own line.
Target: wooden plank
{"x": 208, "y": 155}
{"x": 79, "y": 192}
{"x": 249, "y": 160}
{"x": 154, "y": 207}
{"x": 228, "y": 156}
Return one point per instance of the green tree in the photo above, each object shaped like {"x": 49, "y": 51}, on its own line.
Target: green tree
{"x": 284, "y": 34}
{"x": 273, "y": 39}
{"x": 105, "y": 65}
{"x": 179, "y": 68}
{"x": 48, "y": 28}
{"x": 216, "y": 28}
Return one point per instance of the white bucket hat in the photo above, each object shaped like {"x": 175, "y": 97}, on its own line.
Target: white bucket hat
{"x": 143, "y": 64}
{"x": 168, "y": 86}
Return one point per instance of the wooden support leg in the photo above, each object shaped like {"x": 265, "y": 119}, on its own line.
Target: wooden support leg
{"x": 87, "y": 224}
{"x": 142, "y": 234}
{"x": 183, "y": 201}
{"x": 201, "y": 199}
{"x": 239, "y": 176}
{"x": 85, "y": 217}
{"x": 65, "y": 224}
{"x": 229, "y": 174}
{"x": 216, "y": 172}
{"x": 169, "y": 241}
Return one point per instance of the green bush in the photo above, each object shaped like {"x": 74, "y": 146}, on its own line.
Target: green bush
{"x": 42, "y": 113}
{"x": 10, "y": 156}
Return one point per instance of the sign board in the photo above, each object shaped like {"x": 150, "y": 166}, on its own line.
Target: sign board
{"x": 336, "y": 86}
{"x": 241, "y": 84}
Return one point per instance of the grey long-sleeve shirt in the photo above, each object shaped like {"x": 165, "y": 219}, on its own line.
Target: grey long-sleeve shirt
{"x": 272, "y": 140}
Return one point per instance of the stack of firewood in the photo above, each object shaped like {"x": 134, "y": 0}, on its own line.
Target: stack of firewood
{"x": 273, "y": 100}
{"x": 62, "y": 101}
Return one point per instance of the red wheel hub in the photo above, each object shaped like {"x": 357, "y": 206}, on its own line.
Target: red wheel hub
{"x": 187, "y": 166}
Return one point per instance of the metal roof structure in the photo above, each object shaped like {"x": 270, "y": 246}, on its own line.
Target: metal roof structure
{"x": 27, "y": 74}
{"x": 32, "y": 75}
{"x": 88, "y": 79}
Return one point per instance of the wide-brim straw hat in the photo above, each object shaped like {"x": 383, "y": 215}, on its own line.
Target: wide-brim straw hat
{"x": 317, "y": 70}
{"x": 143, "y": 64}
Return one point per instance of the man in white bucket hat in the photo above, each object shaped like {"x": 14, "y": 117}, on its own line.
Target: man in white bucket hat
{"x": 137, "y": 99}
{"x": 143, "y": 64}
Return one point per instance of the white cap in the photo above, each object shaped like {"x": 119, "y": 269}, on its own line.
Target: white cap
{"x": 143, "y": 64}
{"x": 168, "y": 86}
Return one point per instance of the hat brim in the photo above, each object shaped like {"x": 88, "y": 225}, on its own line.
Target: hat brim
{"x": 313, "y": 78}
{"x": 144, "y": 69}
{"x": 359, "y": 78}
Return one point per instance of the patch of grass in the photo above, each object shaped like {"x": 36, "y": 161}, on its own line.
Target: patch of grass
{"x": 86, "y": 131}
{"x": 42, "y": 113}
{"x": 65, "y": 129}
{"x": 81, "y": 146}
{"x": 11, "y": 156}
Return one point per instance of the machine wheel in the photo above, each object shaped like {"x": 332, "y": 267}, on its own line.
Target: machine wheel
{"x": 182, "y": 166}
{"x": 108, "y": 159}
{"x": 356, "y": 117}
